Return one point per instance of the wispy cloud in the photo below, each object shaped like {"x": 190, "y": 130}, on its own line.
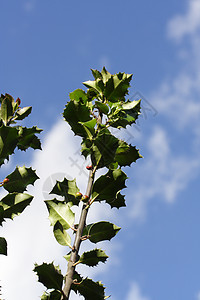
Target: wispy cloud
{"x": 135, "y": 293}
{"x": 186, "y": 24}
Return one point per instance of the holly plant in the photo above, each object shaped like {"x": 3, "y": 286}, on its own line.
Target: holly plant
{"x": 91, "y": 114}
{"x": 13, "y": 136}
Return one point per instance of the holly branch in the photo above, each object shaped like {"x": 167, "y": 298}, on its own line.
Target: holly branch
{"x": 91, "y": 114}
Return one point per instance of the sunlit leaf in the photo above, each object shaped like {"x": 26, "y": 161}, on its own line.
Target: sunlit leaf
{"x": 67, "y": 189}
{"x": 62, "y": 237}
{"x": 61, "y": 212}
{"x": 20, "y": 179}
{"x": 14, "y": 204}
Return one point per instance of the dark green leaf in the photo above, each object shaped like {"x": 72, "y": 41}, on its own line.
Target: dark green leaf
{"x": 74, "y": 113}
{"x": 20, "y": 179}
{"x": 54, "y": 295}
{"x": 93, "y": 257}
{"x": 96, "y": 74}
{"x": 1, "y": 215}
{"x": 8, "y": 142}
{"x": 103, "y": 149}
{"x": 126, "y": 154}
{"x": 117, "y": 87}
{"x": 67, "y": 189}
{"x": 62, "y": 237}
{"x": 89, "y": 128}
{"x": 3, "y": 246}
{"x": 102, "y": 107}
{"x": 27, "y": 138}
{"x": 125, "y": 114}
{"x": 89, "y": 289}
{"x": 107, "y": 186}
{"x": 100, "y": 231}
{"x": 50, "y": 276}
{"x": 14, "y": 204}
{"x": 61, "y": 212}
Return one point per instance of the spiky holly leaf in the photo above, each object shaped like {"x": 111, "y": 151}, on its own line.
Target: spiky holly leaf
{"x": 103, "y": 107}
{"x": 89, "y": 289}
{"x": 96, "y": 74}
{"x": 118, "y": 201}
{"x": 103, "y": 149}
{"x": 74, "y": 113}
{"x": 23, "y": 113}
{"x": 89, "y": 128}
{"x": 67, "y": 189}
{"x": 3, "y": 246}
{"x": 93, "y": 257}
{"x": 117, "y": 87}
{"x": 126, "y": 154}
{"x": 79, "y": 95}
{"x": 54, "y": 295}
{"x": 97, "y": 85}
{"x": 100, "y": 231}
{"x": 6, "y": 111}
{"x": 1, "y": 215}
{"x": 14, "y": 204}
{"x": 61, "y": 212}
{"x": 107, "y": 186}
{"x": 28, "y": 139}
{"x": 8, "y": 142}
{"x": 50, "y": 276}
{"x": 123, "y": 114}
{"x": 20, "y": 179}
{"x": 62, "y": 237}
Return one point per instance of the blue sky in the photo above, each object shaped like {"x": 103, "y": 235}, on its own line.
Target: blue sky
{"x": 47, "y": 50}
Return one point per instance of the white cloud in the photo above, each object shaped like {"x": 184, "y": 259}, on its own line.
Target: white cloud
{"x": 135, "y": 293}
{"x": 30, "y": 238}
{"x": 186, "y": 24}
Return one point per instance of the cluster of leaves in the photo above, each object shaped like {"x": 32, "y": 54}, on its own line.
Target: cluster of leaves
{"x": 91, "y": 114}
{"x": 13, "y": 136}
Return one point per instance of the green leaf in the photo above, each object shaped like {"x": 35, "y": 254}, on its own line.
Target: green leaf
{"x": 126, "y": 154}
{"x": 50, "y": 276}
{"x": 117, "y": 87}
{"x": 14, "y": 204}
{"x": 97, "y": 85}
{"x": 8, "y": 142}
{"x": 89, "y": 128}
{"x": 103, "y": 149}
{"x": 107, "y": 186}
{"x": 23, "y": 113}
{"x": 102, "y": 107}
{"x": 54, "y": 295}
{"x": 100, "y": 231}
{"x": 27, "y": 138}
{"x": 89, "y": 289}
{"x": 1, "y": 215}
{"x": 3, "y": 246}
{"x": 76, "y": 112}
{"x": 6, "y": 112}
{"x": 79, "y": 95}
{"x": 96, "y": 74}
{"x": 20, "y": 179}
{"x": 93, "y": 257}
{"x": 105, "y": 75}
{"x": 61, "y": 212}
{"x": 67, "y": 189}
{"x": 62, "y": 237}
{"x": 123, "y": 114}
